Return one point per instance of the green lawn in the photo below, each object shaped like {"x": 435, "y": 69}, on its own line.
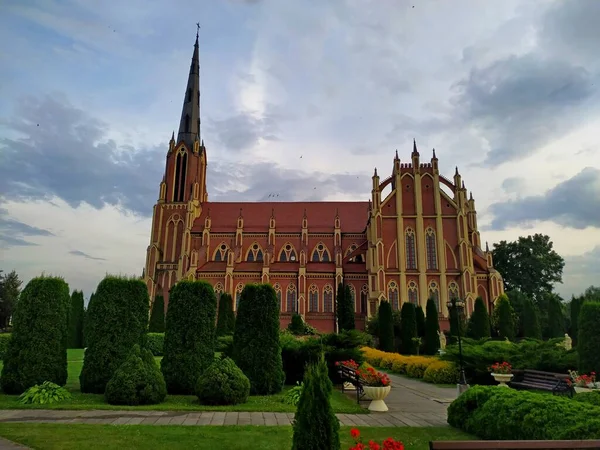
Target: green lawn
{"x": 147, "y": 437}
{"x": 273, "y": 403}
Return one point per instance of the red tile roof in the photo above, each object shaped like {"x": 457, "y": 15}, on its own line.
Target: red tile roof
{"x": 326, "y": 267}
{"x": 288, "y": 216}
{"x": 213, "y": 266}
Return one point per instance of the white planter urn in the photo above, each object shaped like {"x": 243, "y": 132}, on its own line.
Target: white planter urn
{"x": 377, "y": 394}
{"x": 502, "y": 378}
{"x": 581, "y": 390}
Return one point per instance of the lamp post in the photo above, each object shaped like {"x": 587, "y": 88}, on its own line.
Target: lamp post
{"x": 456, "y": 305}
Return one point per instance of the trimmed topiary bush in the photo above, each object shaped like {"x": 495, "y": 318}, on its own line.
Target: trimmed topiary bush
{"x": 432, "y": 326}
{"x": 256, "y": 346}
{"x": 296, "y": 325}
{"x": 37, "y": 351}
{"x": 155, "y": 342}
{"x": 76, "y": 320}
{"x": 479, "y": 322}
{"x": 441, "y": 372}
{"x": 4, "y": 338}
{"x": 226, "y": 318}
{"x": 408, "y": 329}
{"x": 420, "y": 320}
{"x": 315, "y": 424}
{"x": 504, "y": 318}
{"x": 386, "y": 327}
{"x": 117, "y": 319}
{"x": 138, "y": 381}
{"x": 589, "y": 338}
{"x": 345, "y": 308}
{"x": 157, "y": 316}
{"x": 223, "y": 383}
{"x": 190, "y": 335}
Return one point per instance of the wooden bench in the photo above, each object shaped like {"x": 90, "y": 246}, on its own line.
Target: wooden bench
{"x": 348, "y": 374}
{"x": 512, "y": 445}
{"x": 543, "y": 381}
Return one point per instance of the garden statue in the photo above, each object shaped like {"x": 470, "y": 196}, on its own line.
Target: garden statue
{"x": 568, "y": 343}
{"x": 442, "y": 340}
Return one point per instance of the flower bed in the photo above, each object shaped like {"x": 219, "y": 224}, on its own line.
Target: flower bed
{"x": 387, "y": 444}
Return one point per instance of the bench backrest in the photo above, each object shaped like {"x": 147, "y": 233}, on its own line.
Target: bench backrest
{"x": 512, "y": 445}
{"x": 543, "y": 378}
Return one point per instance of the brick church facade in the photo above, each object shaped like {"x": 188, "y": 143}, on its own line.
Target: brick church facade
{"x": 420, "y": 240}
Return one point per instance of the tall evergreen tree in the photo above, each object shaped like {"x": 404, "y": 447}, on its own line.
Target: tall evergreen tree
{"x": 420, "y": 318}
{"x": 226, "y": 317}
{"x": 10, "y": 288}
{"x": 408, "y": 329}
{"x": 157, "y": 316}
{"x": 386, "y": 327}
{"x": 589, "y": 338}
{"x": 555, "y": 326}
{"x": 316, "y": 426}
{"x": 432, "y": 326}
{"x": 517, "y": 301}
{"x": 504, "y": 318}
{"x": 479, "y": 323}
{"x": 530, "y": 320}
{"x": 344, "y": 308}
{"x": 576, "y": 303}
{"x": 85, "y": 321}
{"x": 76, "y": 320}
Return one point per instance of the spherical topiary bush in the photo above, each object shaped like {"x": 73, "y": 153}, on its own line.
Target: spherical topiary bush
{"x": 138, "y": 381}
{"x": 37, "y": 350}
{"x": 223, "y": 383}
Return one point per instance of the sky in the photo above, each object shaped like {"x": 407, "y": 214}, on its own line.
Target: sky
{"x": 508, "y": 91}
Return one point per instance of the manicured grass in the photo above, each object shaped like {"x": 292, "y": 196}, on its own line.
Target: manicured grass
{"x": 147, "y": 437}
{"x": 271, "y": 403}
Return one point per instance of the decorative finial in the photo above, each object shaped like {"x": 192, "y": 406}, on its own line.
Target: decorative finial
{"x": 337, "y": 212}
{"x": 463, "y": 184}
{"x": 173, "y": 135}
{"x": 456, "y": 170}
{"x": 375, "y": 174}
{"x": 434, "y": 157}
{"x": 470, "y": 195}
{"x": 197, "y": 29}
{"x": 487, "y": 247}
{"x": 202, "y": 142}
{"x": 396, "y": 153}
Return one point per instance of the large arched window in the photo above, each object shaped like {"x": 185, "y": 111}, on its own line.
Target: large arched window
{"x": 180, "y": 171}
{"x": 277, "y": 288}
{"x": 238, "y": 295}
{"x": 255, "y": 253}
{"x": 364, "y": 296}
{"x": 218, "y": 291}
{"x": 313, "y": 298}
{"x": 393, "y": 295}
{"x": 287, "y": 253}
{"x": 413, "y": 293}
{"x": 221, "y": 252}
{"x": 328, "y": 299}
{"x": 411, "y": 251}
{"x": 431, "y": 249}
{"x": 434, "y": 293}
{"x": 292, "y": 305}
{"x": 320, "y": 253}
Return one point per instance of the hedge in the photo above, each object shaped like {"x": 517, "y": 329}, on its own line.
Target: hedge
{"x": 76, "y": 320}
{"x": 412, "y": 366}
{"x": 37, "y": 351}
{"x": 189, "y": 336}
{"x": 157, "y": 316}
{"x": 256, "y": 346}
{"x": 117, "y": 319}
{"x": 226, "y": 318}
{"x": 493, "y": 413}
{"x": 4, "y": 338}
{"x": 155, "y": 342}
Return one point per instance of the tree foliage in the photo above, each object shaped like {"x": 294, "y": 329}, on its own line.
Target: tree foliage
{"x": 117, "y": 319}
{"x": 517, "y": 300}
{"x": 37, "y": 350}
{"x": 345, "y": 308}
{"x": 226, "y": 318}
{"x": 10, "y": 288}
{"x": 555, "y": 325}
{"x": 386, "y": 327}
{"x": 504, "y": 318}
{"x": 432, "y": 326}
{"x": 76, "y": 320}
{"x": 189, "y": 346}
{"x": 157, "y": 316}
{"x": 223, "y": 383}
{"x": 256, "y": 346}
{"x": 479, "y": 322}
{"x": 530, "y": 265}
{"x": 408, "y": 329}
{"x": 316, "y": 426}
{"x": 589, "y": 338}
{"x": 420, "y": 319}
{"x": 530, "y": 320}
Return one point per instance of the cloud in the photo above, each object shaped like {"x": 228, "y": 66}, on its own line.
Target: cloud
{"x": 85, "y": 255}
{"x": 12, "y": 231}
{"x": 573, "y": 203}
{"x": 580, "y": 272}
{"x": 513, "y": 185}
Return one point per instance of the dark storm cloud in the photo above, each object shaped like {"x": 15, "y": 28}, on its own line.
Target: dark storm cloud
{"x": 63, "y": 151}
{"x": 572, "y": 203}
{"x": 85, "y": 255}
{"x": 523, "y": 102}
{"x": 513, "y": 185}
{"x": 12, "y": 231}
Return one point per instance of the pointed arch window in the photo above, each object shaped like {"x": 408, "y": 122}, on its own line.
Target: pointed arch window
{"x": 434, "y": 294}
{"x": 238, "y": 295}
{"x": 180, "y": 172}
{"x": 320, "y": 253}
{"x": 292, "y": 304}
{"x": 413, "y": 293}
{"x": 364, "y": 296}
{"x": 328, "y": 299}
{"x": 431, "y": 249}
{"x": 277, "y": 288}
{"x": 411, "y": 251}
{"x": 313, "y": 298}
{"x": 221, "y": 252}
{"x": 453, "y": 291}
{"x": 254, "y": 253}
{"x": 287, "y": 253}
{"x": 218, "y": 291}
{"x": 393, "y": 295}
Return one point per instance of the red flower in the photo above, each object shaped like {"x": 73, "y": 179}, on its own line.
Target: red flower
{"x": 354, "y": 433}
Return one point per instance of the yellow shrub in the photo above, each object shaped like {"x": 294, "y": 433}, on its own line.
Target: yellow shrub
{"x": 399, "y": 365}
{"x": 417, "y": 365}
{"x": 441, "y": 372}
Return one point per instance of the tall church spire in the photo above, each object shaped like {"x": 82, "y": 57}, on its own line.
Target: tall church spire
{"x": 189, "y": 127}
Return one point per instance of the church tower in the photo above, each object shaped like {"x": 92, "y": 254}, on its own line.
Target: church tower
{"x": 182, "y": 192}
